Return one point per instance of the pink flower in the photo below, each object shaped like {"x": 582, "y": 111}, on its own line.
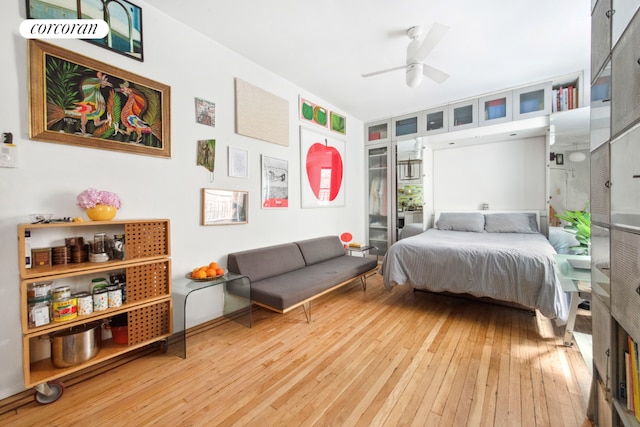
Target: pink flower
{"x": 91, "y": 197}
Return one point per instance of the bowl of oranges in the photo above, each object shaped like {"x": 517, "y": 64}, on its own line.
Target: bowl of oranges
{"x": 206, "y": 273}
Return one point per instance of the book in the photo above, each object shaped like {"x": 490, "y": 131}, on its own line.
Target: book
{"x": 27, "y": 248}
{"x": 356, "y": 245}
{"x": 635, "y": 380}
{"x": 628, "y": 383}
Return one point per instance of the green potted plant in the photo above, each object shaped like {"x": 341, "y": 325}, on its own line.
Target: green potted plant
{"x": 579, "y": 224}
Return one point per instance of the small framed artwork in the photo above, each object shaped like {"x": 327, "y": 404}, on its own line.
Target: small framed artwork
{"x": 338, "y": 123}
{"x": 205, "y": 112}
{"x": 238, "y": 159}
{"x": 206, "y": 154}
{"x": 559, "y": 159}
{"x": 275, "y": 183}
{"x": 123, "y": 18}
{"x": 224, "y": 207}
{"x": 313, "y": 113}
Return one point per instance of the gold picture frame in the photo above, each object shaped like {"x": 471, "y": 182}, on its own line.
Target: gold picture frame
{"x": 224, "y": 207}
{"x": 76, "y": 100}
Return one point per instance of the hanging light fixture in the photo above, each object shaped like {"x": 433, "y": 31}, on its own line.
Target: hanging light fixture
{"x": 577, "y": 157}
{"x": 417, "y": 148}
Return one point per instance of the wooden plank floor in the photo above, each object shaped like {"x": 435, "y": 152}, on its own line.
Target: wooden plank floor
{"x": 367, "y": 358}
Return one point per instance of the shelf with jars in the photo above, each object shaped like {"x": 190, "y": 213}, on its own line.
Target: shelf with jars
{"x": 69, "y": 297}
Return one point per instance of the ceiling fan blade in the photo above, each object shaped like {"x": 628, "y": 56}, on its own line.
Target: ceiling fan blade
{"x": 434, "y": 74}
{"x": 375, "y": 73}
{"x": 434, "y": 36}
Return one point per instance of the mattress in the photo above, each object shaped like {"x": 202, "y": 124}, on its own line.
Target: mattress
{"x": 510, "y": 267}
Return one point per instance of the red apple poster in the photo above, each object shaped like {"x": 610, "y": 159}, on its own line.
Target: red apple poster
{"x": 322, "y": 158}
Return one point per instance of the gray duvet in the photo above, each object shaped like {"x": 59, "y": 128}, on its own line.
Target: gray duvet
{"x": 511, "y": 267}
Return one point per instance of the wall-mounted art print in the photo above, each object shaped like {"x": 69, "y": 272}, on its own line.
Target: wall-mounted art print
{"x": 275, "y": 183}
{"x": 338, "y": 123}
{"x": 261, "y": 114}
{"x": 77, "y": 100}
{"x": 238, "y": 163}
{"x": 322, "y": 161}
{"x": 123, "y": 18}
{"x": 207, "y": 154}
{"x": 205, "y": 112}
{"x": 224, "y": 207}
{"x": 313, "y": 113}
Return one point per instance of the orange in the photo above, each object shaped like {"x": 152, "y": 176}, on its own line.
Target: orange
{"x": 211, "y": 272}
{"x": 204, "y": 268}
{"x": 213, "y": 264}
{"x": 219, "y": 271}
{"x": 200, "y": 274}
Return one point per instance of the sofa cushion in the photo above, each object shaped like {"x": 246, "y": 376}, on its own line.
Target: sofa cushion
{"x": 288, "y": 289}
{"x": 320, "y": 249}
{"x": 266, "y": 262}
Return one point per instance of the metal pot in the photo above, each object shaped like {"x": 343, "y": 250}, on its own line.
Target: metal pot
{"x": 76, "y": 345}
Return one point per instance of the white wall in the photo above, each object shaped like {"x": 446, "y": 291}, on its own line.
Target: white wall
{"x": 506, "y": 175}
{"x": 50, "y": 175}
{"x": 570, "y": 183}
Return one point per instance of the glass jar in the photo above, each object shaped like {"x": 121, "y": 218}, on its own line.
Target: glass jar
{"x": 99, "y": 243}
{"x": 39, "y": 311}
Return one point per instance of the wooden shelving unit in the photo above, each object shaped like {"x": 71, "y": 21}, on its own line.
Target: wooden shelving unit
{"x": 148, "y": 306}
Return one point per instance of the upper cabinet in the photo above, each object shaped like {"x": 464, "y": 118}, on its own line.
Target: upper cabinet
{"x": 600, "y": 35}
{"x": 532, "y": 101}
{"x": 463, "y": 115}
{"x": 378, "y": 131}
{"x": 437, "y": 120}
{"x": 496, "y": 108}
{"x": 561, "y": 94}
{"x": 408, "y": 126}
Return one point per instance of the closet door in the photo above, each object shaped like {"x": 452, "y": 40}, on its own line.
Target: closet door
{"x": 600, "y": 35}
{"x": 379, "y": 214}
{"x": 625, "y": 79}
{"x": 600, "y": 184}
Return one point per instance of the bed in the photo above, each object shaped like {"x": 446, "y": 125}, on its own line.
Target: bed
{"x": 501, "y": 256}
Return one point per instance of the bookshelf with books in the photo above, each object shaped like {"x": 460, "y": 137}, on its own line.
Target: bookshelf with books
{"x": 627, "y": 401}
{"x": 564, "y": 97}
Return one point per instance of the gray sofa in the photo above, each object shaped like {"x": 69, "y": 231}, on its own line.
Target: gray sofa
{"x": 290, "y": 275}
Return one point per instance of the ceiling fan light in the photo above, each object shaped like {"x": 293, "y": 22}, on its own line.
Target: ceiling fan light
{"x": 577, "y": 157}
{"x": 414, "y": 74}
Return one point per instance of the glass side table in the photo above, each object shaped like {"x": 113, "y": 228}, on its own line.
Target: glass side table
{"x": 364, "y": 250}
{"x": 237, "y": 302}
{"x": 576, "y": 281}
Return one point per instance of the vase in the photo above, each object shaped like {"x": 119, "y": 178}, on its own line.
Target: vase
{"x": 101, "y": 212}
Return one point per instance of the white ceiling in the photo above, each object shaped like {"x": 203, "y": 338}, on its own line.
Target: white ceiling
{"x": 324, "y": 47}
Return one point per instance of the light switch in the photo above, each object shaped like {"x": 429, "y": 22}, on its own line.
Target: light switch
{"x": 8, "y": 152}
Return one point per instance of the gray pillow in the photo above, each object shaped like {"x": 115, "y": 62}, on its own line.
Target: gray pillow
{"x": 461, "y": 221}
{"x": 511, "y": 223}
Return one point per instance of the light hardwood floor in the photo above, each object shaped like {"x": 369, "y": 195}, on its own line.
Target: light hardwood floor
{"x": 367, "y": 358}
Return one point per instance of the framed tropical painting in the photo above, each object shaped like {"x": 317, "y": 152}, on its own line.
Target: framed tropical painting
{"x": 77, "y": 100}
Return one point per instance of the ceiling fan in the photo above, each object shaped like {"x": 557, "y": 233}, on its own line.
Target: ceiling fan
{"x": 417, "y": 51}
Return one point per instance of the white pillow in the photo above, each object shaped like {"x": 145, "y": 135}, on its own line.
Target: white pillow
{"x": 511, "y": 223}
{"x": 461, "y": 221}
